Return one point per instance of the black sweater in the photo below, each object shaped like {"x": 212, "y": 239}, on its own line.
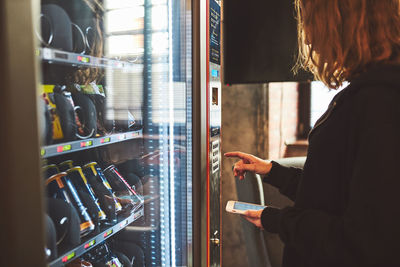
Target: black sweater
{"x": 347, "y": 200}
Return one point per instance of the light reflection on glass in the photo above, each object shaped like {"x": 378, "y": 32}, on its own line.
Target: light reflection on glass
{"x": 126, "y": 19}
{"x": 126, "y": 39}
{"x": 126, "y": 45}
{"x": 114, "y": 4}
{"x": 160, "y": 43}
{"x": 159, "y": 2}
{"x": 159, "y": 20}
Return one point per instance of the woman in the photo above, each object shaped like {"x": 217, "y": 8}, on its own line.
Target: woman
{"x": 347, "y": 201}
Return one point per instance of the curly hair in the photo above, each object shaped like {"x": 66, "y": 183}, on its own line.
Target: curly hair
{"x": 338, "y": 39}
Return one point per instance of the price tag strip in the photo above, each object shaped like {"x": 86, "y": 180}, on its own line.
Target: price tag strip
{"x": 73, "y": 146}
{"x": 58, "y": 56}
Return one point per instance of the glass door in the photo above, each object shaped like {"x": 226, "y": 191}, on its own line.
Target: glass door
{"x": 116, "y": 113}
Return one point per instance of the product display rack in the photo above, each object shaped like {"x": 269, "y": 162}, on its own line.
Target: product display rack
{"x": 54, "y": 56}
{"x": 89, "y": 243}
{"x": 78, "y": 145}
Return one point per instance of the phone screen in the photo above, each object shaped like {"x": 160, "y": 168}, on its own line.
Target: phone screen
{"x": 246, "y": 206}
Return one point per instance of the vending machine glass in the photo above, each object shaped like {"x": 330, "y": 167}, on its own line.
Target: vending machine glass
{"x": 115, "y": 106}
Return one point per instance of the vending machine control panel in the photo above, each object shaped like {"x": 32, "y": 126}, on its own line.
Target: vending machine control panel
{"x": 214, "y": 131}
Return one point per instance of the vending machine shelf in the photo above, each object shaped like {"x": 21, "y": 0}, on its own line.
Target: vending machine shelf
{"x": 78, "y": 145}
{"x": 51, "y": 55}
{"x": 89, "y": 243}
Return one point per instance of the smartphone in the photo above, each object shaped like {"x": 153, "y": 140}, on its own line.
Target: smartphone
{"x": 240, "y": 207}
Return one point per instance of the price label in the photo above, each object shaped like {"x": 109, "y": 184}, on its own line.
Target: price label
{"x": 83, "y": 59}
{"x": 123, "y": 224}
{"x": 109, "y": 232}
{"x": 90, "y": 244}
{"x": 87, "y": 143}
{"x": 105, "y": 140}
{"x": 135, "y": 134}
{"x": 68, "y": 257}
{"x": 64, "y": 148}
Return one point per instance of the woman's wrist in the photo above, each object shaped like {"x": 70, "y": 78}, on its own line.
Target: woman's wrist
{"x": 268, "y": 167}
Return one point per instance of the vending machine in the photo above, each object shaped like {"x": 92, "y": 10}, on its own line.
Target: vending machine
{"x": 111, "y": 137}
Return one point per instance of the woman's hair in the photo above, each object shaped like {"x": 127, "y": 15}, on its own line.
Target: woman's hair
{"x": 339, "y": 38}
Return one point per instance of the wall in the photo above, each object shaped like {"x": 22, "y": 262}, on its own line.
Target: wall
{"x": 243, "y": 128}
{"x": 282, "y": 117}
{"x": 256, "y": 119}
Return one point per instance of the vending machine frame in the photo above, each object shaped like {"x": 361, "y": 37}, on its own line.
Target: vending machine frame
{"x": 22, "y": 220}
{"x": 206, "y": 139}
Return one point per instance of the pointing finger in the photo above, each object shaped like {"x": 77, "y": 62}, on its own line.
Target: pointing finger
{"x": 237, "y": 154}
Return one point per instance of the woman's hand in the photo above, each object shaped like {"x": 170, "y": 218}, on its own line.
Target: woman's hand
{"x": 249, "y": 162}
{"x": 254, "y": 216}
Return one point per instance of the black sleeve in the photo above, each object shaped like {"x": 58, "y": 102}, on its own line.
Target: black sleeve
{"x": 285, "y": 179}
{"x": 368, "y": 232}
